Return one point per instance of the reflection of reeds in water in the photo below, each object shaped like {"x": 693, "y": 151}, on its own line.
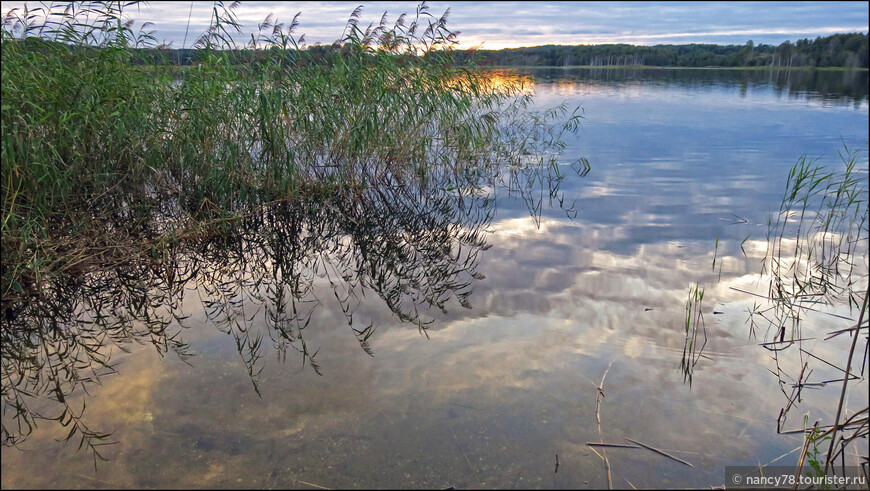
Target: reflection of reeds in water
{"x": 692, "y": 352}
{"x": 816, "y": 241}
{"x": 260, "y": 279}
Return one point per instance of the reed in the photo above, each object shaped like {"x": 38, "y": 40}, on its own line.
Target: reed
{"x": 817, "y": 260}
{"x": 99, "y": 137}
{"x": 124, "y": 184}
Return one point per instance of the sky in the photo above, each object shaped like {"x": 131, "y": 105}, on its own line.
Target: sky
{"x": 496, "y": 25}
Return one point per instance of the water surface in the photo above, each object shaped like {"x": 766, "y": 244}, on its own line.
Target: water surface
{"x": 539, "y": 299}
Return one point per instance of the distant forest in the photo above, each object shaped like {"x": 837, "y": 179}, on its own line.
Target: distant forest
{"x": 838, "y": 50}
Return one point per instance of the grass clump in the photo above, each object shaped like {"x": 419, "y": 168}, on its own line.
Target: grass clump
{"x": 100, "y": 139}
{"x": 817, "y": 260}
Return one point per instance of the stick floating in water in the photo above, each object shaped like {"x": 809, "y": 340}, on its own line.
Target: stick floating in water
{"x": 661, "y": 453}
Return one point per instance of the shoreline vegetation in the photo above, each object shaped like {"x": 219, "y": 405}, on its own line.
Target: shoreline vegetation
{"x": 120, "y": 185}
{"x": 94, "y": 143}
{"x": 816, "y": 262}
{"x": 837, "y": 51}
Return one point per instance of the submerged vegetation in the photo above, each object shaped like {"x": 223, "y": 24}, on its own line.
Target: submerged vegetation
{"x": 256, "y": 184}
{"x": 92, "y": 143}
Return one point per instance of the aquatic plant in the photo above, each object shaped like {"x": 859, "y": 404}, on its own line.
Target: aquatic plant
{"x": 817, "y": 261}
{"x": 95, "y": 139}
{"x": 125, "y": 182}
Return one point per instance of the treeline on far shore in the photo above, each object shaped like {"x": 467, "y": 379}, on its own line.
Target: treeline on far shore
{"x": 835, "y": 51}
{"x": 846, "y": 51}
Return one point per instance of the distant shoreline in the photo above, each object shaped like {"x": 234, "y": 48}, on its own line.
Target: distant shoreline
{"x": 650, "y": 67}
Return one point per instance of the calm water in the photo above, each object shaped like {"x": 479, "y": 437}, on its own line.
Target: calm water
{"x": 552, "y": 299}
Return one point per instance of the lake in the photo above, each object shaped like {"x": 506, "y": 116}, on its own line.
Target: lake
{"x": 563, "y": 322}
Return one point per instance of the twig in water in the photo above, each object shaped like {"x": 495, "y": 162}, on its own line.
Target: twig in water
{"x": 823, "y": 361}
{"x": 598, "y": 398}
{"x": 615, "y": 445}
{"x": 806, "y": 449}
{"x": 660, "y": 452}
{"x": 311, "y": 484}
